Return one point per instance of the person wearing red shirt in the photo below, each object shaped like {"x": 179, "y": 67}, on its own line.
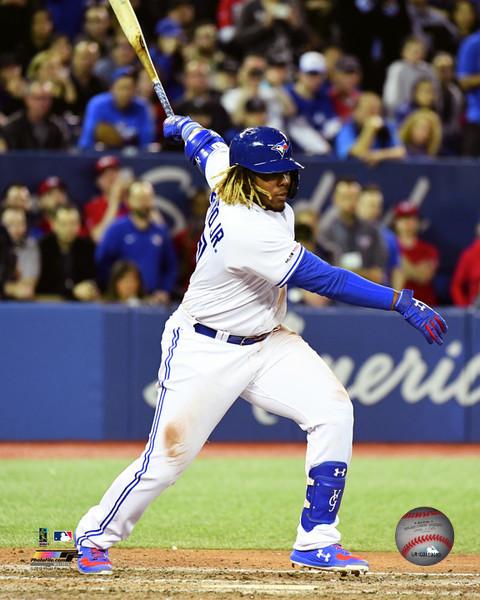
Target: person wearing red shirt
{"x": 419, "y": 259}
{"x": 465, "y": 287}
{"x": 103, "y": 209}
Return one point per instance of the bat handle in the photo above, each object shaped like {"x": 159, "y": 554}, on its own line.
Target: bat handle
{"x": 162, "y": 96}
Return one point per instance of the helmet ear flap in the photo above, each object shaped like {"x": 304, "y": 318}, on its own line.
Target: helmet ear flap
{"x": 294, "y": 181}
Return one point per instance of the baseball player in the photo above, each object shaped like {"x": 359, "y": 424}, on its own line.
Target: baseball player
{"x": 227, "y": 340}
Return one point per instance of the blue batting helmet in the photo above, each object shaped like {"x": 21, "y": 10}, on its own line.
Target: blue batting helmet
{"x": 265, "y": 150}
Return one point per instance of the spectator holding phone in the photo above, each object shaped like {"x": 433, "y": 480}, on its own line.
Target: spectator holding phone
{"x": 368, "y": 137}
{"x": 104, "y": 208}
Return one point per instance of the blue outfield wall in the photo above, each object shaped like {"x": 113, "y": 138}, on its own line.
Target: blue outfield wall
{"x": 88, "y": 372}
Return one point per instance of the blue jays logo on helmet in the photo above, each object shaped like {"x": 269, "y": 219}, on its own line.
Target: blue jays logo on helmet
{"x": 281, "y": 147}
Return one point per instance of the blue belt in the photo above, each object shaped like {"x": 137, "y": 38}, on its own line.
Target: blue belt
{"x": 232, "y": 339}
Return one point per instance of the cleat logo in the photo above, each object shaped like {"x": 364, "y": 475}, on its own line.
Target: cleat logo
{"x": 334, "y": 499}
{"x": 325, "y": 557}
{"x": 281, "y": 148}
{"x": 340, "y": 472}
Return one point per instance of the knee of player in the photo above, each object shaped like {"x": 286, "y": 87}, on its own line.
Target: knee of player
{"x": 174, "y": 441}
{"x": 340, "y": 405}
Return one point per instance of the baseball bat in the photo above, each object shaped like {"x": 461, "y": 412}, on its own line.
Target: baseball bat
{"x": 131, "y": 28}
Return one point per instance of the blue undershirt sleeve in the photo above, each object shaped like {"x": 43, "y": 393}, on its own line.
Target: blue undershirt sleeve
{"x": 316, "y": 275}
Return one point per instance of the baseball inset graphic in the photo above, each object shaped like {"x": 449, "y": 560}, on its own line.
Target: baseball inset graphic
{"x": 424, "y": 536}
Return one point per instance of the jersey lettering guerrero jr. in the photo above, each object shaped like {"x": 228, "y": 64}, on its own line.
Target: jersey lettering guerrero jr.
{"x": 245, "y": 257}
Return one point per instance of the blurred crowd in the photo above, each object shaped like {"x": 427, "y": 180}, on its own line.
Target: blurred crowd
{"x": 120, "y": 248}
{"x": 371, "y": 80}
{"x": 368, "y": 80}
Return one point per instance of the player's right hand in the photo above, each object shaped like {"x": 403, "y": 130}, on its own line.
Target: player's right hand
{"x": 173, "y": 126}
{"x": 422, "y": 317}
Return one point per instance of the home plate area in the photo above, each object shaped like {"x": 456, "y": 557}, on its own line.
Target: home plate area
{"x": 211, "y": 574}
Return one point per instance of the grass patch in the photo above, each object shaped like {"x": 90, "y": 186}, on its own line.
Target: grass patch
{"x": 243, "y": 503}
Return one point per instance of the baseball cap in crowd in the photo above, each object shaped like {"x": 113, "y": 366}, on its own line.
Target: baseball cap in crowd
{"x": 49, "y": 184}
{"x": 255, "y": 105}
{"x": 168, "y": 28}
{"x": 312, "y": 62}
{"x": 406, "y": 209}
{"x": 123, "y": 72}
{"x": 348, "y": 64}
{"x": 106, "y": 162}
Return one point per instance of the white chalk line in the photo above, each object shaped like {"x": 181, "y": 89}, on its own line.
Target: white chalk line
{"x": 242, "y": 571}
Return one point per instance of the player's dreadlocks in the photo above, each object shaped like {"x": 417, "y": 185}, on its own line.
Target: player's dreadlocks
{"x": 237, "y": 185}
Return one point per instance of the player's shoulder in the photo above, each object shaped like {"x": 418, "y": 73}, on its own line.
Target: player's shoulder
{"x": 217, "y": 162}
{"x": 289, "y": 212}
{"x": 239, "y": 215}
{"x": 250, "y": 225}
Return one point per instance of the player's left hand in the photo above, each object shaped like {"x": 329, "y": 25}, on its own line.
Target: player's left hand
{"x": 422, "y": 317}
{"x": 173, "y": 126}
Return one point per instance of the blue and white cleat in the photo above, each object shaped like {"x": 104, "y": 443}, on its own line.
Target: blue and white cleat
{"x": 330, "y": 558}
{"x": 92, "y": 561}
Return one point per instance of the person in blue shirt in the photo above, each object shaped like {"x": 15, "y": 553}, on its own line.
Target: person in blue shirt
{"x": 315, "y": 121}
{"x": 167, "y": 56}
{"x": 468, "y": 76}
{"x": 118, "y": 118}
{"x": 139, "y": 238}
{"x": 367, "y": 136}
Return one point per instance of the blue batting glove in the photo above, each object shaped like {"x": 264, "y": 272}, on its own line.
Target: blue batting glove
{"x": 178, "y": 127}
{"x": 422, "y": 317}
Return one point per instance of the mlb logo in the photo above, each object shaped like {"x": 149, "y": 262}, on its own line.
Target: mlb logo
{"x": 62, "y": 536}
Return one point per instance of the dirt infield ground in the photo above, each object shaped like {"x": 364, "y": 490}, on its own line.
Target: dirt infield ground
{"x": 233, "y": 574}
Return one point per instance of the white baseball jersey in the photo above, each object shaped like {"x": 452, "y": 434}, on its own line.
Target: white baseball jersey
{"x": 244, "y": 258}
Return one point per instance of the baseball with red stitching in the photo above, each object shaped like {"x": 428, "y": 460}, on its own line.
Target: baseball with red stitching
{"x": 424, "y": 536}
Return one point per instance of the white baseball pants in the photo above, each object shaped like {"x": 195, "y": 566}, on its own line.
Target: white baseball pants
{"x": 200, "y": 378}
